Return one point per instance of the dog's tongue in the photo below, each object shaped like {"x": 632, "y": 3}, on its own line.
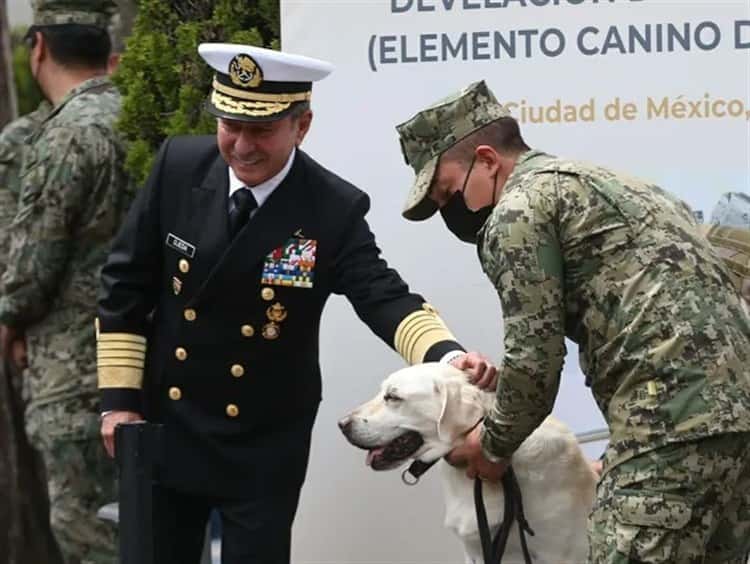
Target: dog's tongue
{"x": 372, "y": 454}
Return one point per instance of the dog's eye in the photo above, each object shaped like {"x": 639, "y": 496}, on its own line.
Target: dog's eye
{"x": 390, "y": 397}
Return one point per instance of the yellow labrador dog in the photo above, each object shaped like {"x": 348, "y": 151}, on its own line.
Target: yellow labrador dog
{"x": 424, "y": 411}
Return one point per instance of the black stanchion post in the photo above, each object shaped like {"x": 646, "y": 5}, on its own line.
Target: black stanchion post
{"x": 136, "y": 452}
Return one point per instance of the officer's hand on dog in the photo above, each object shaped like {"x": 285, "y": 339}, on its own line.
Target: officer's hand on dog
{"x": 470, "y": 456}
{"x": 482, "y": 373}
{"x": 112, "y": 420}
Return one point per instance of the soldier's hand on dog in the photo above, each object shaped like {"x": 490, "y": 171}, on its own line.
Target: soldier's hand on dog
{"x": 112, "y": 420}
{"x": 482, "y": 373}
{"x": 470, "y": 456}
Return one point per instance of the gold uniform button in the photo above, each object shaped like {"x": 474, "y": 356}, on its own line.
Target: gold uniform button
{"x": 180, "y": 353}
{"x": 267, "y": 294}
{"x": 247, "y": 330}
{"x": 237, "y": 370}
{"x": 233, "y": 410}
{"x": 184, "y": 266}
{"x": 190, "y": 314}
{"x": 175, "y": 393}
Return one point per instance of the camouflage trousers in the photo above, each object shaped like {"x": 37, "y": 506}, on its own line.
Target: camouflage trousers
{"x": 80, "y": 477}
{"x": 685, "y": 503}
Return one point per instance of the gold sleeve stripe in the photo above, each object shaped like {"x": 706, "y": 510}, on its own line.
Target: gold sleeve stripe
{"x": 109, "y": 355}
{"x": 125, "y": 337}
{"x": 120, "y": 346}
{"x": 120, "y": 377}
{"x": 419, "y": 331}
{"x": 120, "y": 353}
{"x": 129, "y": 362}
{"x": 120, "y": 360}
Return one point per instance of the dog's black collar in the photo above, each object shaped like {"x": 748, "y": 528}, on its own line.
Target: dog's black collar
{"x": 417, "y": 468}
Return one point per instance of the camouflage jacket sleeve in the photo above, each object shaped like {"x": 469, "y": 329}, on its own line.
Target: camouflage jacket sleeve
{"x": 521, "y": 255}
{"x": 55, "y": 185}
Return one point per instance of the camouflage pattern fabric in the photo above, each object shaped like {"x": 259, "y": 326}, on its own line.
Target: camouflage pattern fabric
{"x": 618, "y": 266}
{"x": 682, "y": 503}
{"x": 74, "y": 194}
{"x": 13, "y": 144}
{"x": 81, "y": 12}
{"x": 26, "y": 537}
{"x": 81, "y": 478}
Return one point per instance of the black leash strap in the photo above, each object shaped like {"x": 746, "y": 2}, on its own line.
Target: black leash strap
{"x": 493, "y": 549}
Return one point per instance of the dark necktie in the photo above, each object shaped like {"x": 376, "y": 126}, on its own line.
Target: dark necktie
{"x": 243, "y": 202}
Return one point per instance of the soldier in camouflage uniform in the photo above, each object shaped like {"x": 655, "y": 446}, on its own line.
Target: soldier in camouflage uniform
{"x": 26, "y": 537}
{"x": 73, "y": 196}
{"x": 618, "y": 266}
{"x": 729, "y": 233}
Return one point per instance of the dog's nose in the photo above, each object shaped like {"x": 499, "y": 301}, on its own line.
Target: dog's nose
{"x": 345, "y": 424}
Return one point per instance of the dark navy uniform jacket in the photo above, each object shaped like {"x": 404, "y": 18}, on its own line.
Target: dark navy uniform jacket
{"x": 217, "y": 338}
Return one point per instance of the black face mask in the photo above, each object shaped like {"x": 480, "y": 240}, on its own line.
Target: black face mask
{"x": 463, "y": 222}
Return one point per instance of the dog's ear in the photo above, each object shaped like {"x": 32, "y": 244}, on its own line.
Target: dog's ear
{"x": 461, "y": 409}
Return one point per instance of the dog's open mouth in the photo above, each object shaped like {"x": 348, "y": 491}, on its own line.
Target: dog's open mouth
{"x": 394, "y": 453}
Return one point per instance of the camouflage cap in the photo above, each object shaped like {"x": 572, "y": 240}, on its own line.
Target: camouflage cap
{"x": 436, "y": 129}
{"x": 82, "y": 12}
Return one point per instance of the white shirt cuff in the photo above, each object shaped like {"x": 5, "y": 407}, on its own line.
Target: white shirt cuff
{"x": 447, "y": 357}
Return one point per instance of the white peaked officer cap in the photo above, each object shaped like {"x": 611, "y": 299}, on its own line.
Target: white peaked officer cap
{"x": 255, "y": 84}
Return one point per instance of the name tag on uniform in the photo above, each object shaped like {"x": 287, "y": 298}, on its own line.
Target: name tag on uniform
{"x": 292, "y": 264}
{"x": 180, "y": 245}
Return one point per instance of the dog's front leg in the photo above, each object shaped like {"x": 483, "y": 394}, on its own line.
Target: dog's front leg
{"x": 473, "y": 551}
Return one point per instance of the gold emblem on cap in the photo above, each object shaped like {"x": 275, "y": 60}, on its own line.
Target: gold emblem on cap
{"x": 245, "y": 72}
{"x": 176, "y": 285}
{"x": 233, "y": 410}
{"x": 271, "y": 331}
{"x": 247, "y": 330}
{"x": 175, "y": 393}
{"x": 237, "y": 370}
{"x": 276, "y": 312}
{"x": 267, "y": 294}
{"x": 190, "y": 314}
{"x": 184, "y": 266}
{"x": 180, "y": 353}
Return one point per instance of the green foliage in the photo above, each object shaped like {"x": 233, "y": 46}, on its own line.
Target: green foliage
{"x": 27, "y": 91}
{"x": 164, "y": 81}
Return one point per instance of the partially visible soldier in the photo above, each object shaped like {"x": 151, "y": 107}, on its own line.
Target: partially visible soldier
{"x": 73, "y": 196}
{"x": 26, "y": 537}
{"x": 732, "y": 210}
{"x": 620, "y": 267}
{"x": 729, "y": 232}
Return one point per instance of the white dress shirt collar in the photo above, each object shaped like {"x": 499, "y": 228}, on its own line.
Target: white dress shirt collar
{"x": 263, "y": 190}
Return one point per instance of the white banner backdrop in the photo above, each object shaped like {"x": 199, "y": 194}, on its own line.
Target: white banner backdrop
{"x": 659, "y": 88}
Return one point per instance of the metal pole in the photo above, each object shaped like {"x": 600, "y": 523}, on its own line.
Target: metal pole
{"x": 137, "y": 445}
{"x": 593, "y": 436}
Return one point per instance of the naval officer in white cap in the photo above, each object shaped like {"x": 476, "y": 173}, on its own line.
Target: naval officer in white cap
{"x": 234, "y": 244}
